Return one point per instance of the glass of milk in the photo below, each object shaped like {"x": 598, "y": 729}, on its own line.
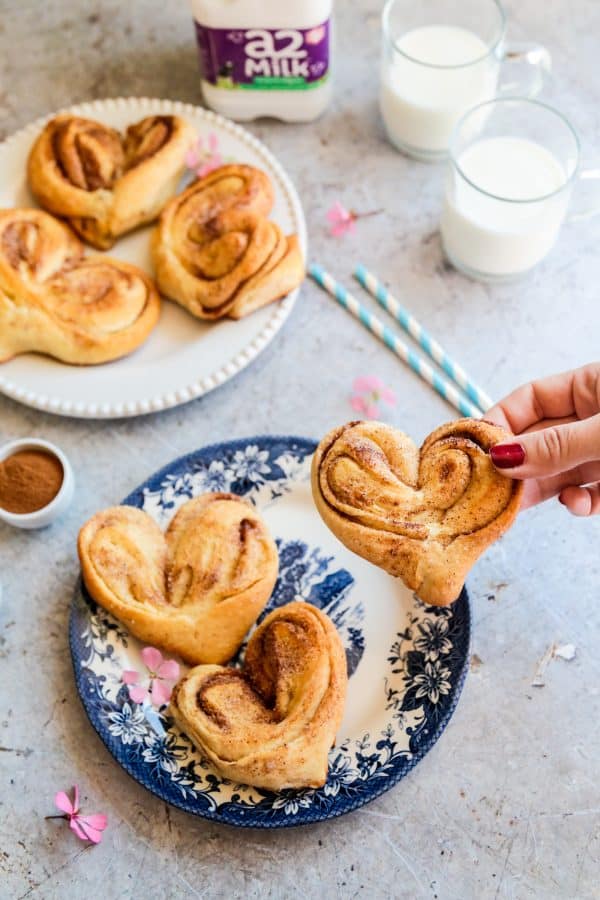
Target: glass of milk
{"x": 442, "y": 57}
{"x": 512, "y": 165}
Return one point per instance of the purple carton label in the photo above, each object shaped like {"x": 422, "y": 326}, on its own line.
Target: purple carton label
{"x": 264, "y": 58}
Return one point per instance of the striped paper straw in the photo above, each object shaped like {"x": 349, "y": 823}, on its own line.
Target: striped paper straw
{"x": 419, "y": 365}
{"x": 429, "y": 344}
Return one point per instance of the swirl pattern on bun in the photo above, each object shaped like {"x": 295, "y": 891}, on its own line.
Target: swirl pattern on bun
{"x": 53, "y": 301}
{"x": 272, "y": 723}
{"x": 103, "y": 182}
{"x": 425, "y": 516}
{"x": 215, "y": 251}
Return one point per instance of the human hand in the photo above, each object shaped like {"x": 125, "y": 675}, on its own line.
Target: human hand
{"x": 556, "y": 422}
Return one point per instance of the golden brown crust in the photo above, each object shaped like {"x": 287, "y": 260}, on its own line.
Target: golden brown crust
{"x": 425, "y": 516}
{"x": 272, "y": 724}
{"x": 53, "y": 301}
{"x": 216, "y": 253}
{"x": 194, "y": 591}
{"x": 106, "y": 183}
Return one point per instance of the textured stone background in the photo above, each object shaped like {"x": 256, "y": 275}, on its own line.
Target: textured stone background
{"x": 508, "y": 803}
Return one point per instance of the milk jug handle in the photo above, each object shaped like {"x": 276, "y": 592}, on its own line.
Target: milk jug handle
{"x": 592, "y": 197}
{"x": 529, "y": 65}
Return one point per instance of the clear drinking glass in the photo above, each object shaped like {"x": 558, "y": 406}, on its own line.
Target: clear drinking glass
{"x": 512, "y": 166}
{"x": 442, "y": 57}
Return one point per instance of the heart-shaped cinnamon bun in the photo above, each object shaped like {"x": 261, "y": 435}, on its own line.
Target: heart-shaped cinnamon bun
{"x": 216, "y": 253}
{"x": 426, "y": 515}
{"x": 272, "y": 723}
{"x": 195, "y": 590}
{"x": 54, "y": 301}
{"x": 104, "y": 182}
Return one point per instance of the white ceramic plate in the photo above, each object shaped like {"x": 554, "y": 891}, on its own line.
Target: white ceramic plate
{"x": 183, "y": 358}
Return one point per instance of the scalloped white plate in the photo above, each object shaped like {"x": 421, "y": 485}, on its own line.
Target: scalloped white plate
{"x": 183, "y": 358}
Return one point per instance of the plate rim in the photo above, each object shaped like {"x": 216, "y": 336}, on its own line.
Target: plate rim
{"x": 380, "y": 786}
{"x": 193, "y": 388}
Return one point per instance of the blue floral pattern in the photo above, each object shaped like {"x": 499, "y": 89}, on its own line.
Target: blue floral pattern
{"x": 426, "y": 660}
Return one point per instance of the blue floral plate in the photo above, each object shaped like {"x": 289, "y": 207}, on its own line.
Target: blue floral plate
{"x": 407, "y": 662}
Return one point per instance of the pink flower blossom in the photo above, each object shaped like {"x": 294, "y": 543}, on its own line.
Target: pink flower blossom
{"x": 202, "y": 159}
{"x": 369, "y": 390}
{"x": 87, "y": 828}
{"x": 163, "y": 673}
{"x": 341, "y": 220}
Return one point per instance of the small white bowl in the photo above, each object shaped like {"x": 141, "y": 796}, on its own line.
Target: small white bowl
{"x": 41, "y": 517}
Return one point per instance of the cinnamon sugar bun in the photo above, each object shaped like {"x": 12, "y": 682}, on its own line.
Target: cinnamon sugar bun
{"x": 53, "y": 301}
{"x": 272, "y": 723}
{"x": 425, "y": 516}
{"x": 103, "y": 182}
{"x": 216, "y": 253}
{"x": 195, "y": 590}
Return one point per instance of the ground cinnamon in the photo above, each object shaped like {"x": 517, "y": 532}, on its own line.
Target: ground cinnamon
{"x": 29, "y": 480}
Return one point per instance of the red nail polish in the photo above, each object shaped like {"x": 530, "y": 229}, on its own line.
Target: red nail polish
{"x": 508, "y": 456}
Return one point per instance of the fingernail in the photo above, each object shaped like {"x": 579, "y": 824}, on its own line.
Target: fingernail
{"x": 508, "y": 456}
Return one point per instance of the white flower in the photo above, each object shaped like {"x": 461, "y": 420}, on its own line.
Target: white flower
{"x": 250, "y": 463}
{"x": 217, "y": 477}
{"x": 128, "y": 723}
{"x": 164, "y": 750}
{"x": 164, "y": 760}
{"x": 433, "y": 682}
{"x": 175, "y": 487}
{"x": 433, "y": 640}
{"x": 340, "y": 773}
{"x": 292, "y": 467}
{"x": 291, "y": 805}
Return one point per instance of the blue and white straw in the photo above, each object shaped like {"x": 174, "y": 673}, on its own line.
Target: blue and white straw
{"x": 419, "y": 365}
{"x": 431, "y": 347}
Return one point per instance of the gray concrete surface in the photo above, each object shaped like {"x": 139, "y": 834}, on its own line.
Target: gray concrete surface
{"x": 507, "y": 805}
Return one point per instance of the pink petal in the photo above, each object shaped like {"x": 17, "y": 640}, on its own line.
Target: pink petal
{"x": 372, "y": 411}
{"x": 76, "y": 827}
{"x": 94, "y": 836}
{"x": 191, "y": 158}
{"x": 152, "y": 658}
{"x": 210, "y": 166}
{"x": 83, "y": 828}
{"x": 161, "y": 692}
{"x": 359, "y": 404}
{"x": 340, "y": 229}
{"x": 367, "y": 383}
{"x": 63, "y": 802}
{"x": 213, "y": 142}
{"x": 128, "y": 676}
{"x": 97, "y": 820}
{"x": 168, "y": 669}
{"x": 205, "y": 169}
{"x": 337, "y": 213}
{"x": 138, "y": 693}
{"x": 388, "y": 395}
{"x": 351, "y": 225}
